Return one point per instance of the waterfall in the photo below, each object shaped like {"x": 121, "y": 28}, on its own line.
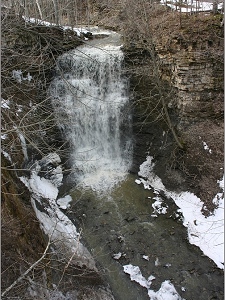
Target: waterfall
{"x": 91, "y": 103}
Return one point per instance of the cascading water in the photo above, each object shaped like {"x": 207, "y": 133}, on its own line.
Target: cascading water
{"x": 90, "y": 98}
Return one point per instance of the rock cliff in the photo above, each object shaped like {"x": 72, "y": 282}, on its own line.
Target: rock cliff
{"x": 187, "y": 60}
{"x": 191, "y": 60}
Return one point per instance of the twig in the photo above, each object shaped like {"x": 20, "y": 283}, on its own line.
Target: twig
{"x": 27, "y": 271}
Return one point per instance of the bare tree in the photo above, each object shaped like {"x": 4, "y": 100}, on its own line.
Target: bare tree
{"x": 39, "y": 9}
{"x": 139, "y": 18}
{"x": 20, "y": 278}
{"x": 56, "y": 11}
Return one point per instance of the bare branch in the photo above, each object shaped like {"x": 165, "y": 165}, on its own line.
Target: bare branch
{"x": 27, "y": 271}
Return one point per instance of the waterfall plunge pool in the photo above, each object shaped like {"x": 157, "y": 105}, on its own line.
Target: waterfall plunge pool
{"x": 122, "y": 224}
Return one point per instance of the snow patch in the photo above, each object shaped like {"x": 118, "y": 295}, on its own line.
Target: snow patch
{"x": 206, "y": 147}
{"x": 167, "y": 290}
{"x": 64, "y": 202}
{"x": 53, "y": 221}
{"x": 78, "y": 30}
{"x": 135, "y": 275}
{"x": 206, "y": 233}
{"x": 193, "y": 5}
{"x": 18, "y": 76}
{"x": 159, "y": 207}
{"x": 117, "y": 255}
{"x": 3, "y": 136}
{"x": 42, "y": 187}
{"x": 7, "y": 156}
{"x": 146, "y": 257}
{"x": 157, "y": 263}
{"x": 5, "y": 103}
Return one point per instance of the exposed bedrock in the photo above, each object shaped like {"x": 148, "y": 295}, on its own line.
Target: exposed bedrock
{"x": 191, "y": 78}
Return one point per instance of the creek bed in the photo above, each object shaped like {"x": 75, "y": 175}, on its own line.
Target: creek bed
{"x": 122, "y": 222}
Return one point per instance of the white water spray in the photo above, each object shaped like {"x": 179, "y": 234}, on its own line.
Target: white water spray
{"x": 90, "y": 98}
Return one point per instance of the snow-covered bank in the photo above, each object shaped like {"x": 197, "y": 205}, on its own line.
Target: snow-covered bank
{"x": 56, "y": 225}
{"x": 85, "y": 31}
{"x": 78, "y": 30}
{"x": 206, "y": 233}
{"x": 193, "y": 6}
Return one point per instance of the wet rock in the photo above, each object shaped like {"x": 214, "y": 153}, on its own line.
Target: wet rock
{"x": 130, "y": 218}
{"x": 121, "y": 239}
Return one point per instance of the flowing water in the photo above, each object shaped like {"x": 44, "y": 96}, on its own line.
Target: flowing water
{"x": 91, "y": 100}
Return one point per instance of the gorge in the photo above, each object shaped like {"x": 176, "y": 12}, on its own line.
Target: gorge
{"x": 119, "y": 225}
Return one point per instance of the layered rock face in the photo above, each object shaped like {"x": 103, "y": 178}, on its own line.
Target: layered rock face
{"x": 190, "y": 68}
{"x": 196, "y": 72}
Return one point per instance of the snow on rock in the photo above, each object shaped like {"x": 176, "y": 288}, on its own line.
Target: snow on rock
{"x": 193, "y": 5}
{"x": 117, "y": 255}
{"x": 5, "y": 103}
{"x": 146, "y": 257}
{"x": 146, "y": 167}
{"x": 42, "y": 187}
{"x": 18, "y": 76}
{"x": 135, "y": 275}
{"x": 64, "y": 202}
{"x": 166, "y": 292}
{"x": 57, "y": 176}
{"x": 206, "y": 147}
{"x": 7, "y": 156}
{"x": 146, "y": 171}
{"x": 158, "y": 207}
{"x": 78, "y": 30}
{"x": 54, "y": 222}
{"x": 3, "y": 136}
{"x": 63, "y": 233}
{"x": 206, "y": 233}
{"x": 157, "y": 263}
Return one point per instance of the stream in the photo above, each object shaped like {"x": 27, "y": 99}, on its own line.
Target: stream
{"x": 122, "y": 222}
{"x": 114, "y": 214}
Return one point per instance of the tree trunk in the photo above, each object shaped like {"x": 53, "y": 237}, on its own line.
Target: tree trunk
{"x": 215, "y": 7}
{"x": 56, "y": 11}
{"x": 39, "y": 9}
